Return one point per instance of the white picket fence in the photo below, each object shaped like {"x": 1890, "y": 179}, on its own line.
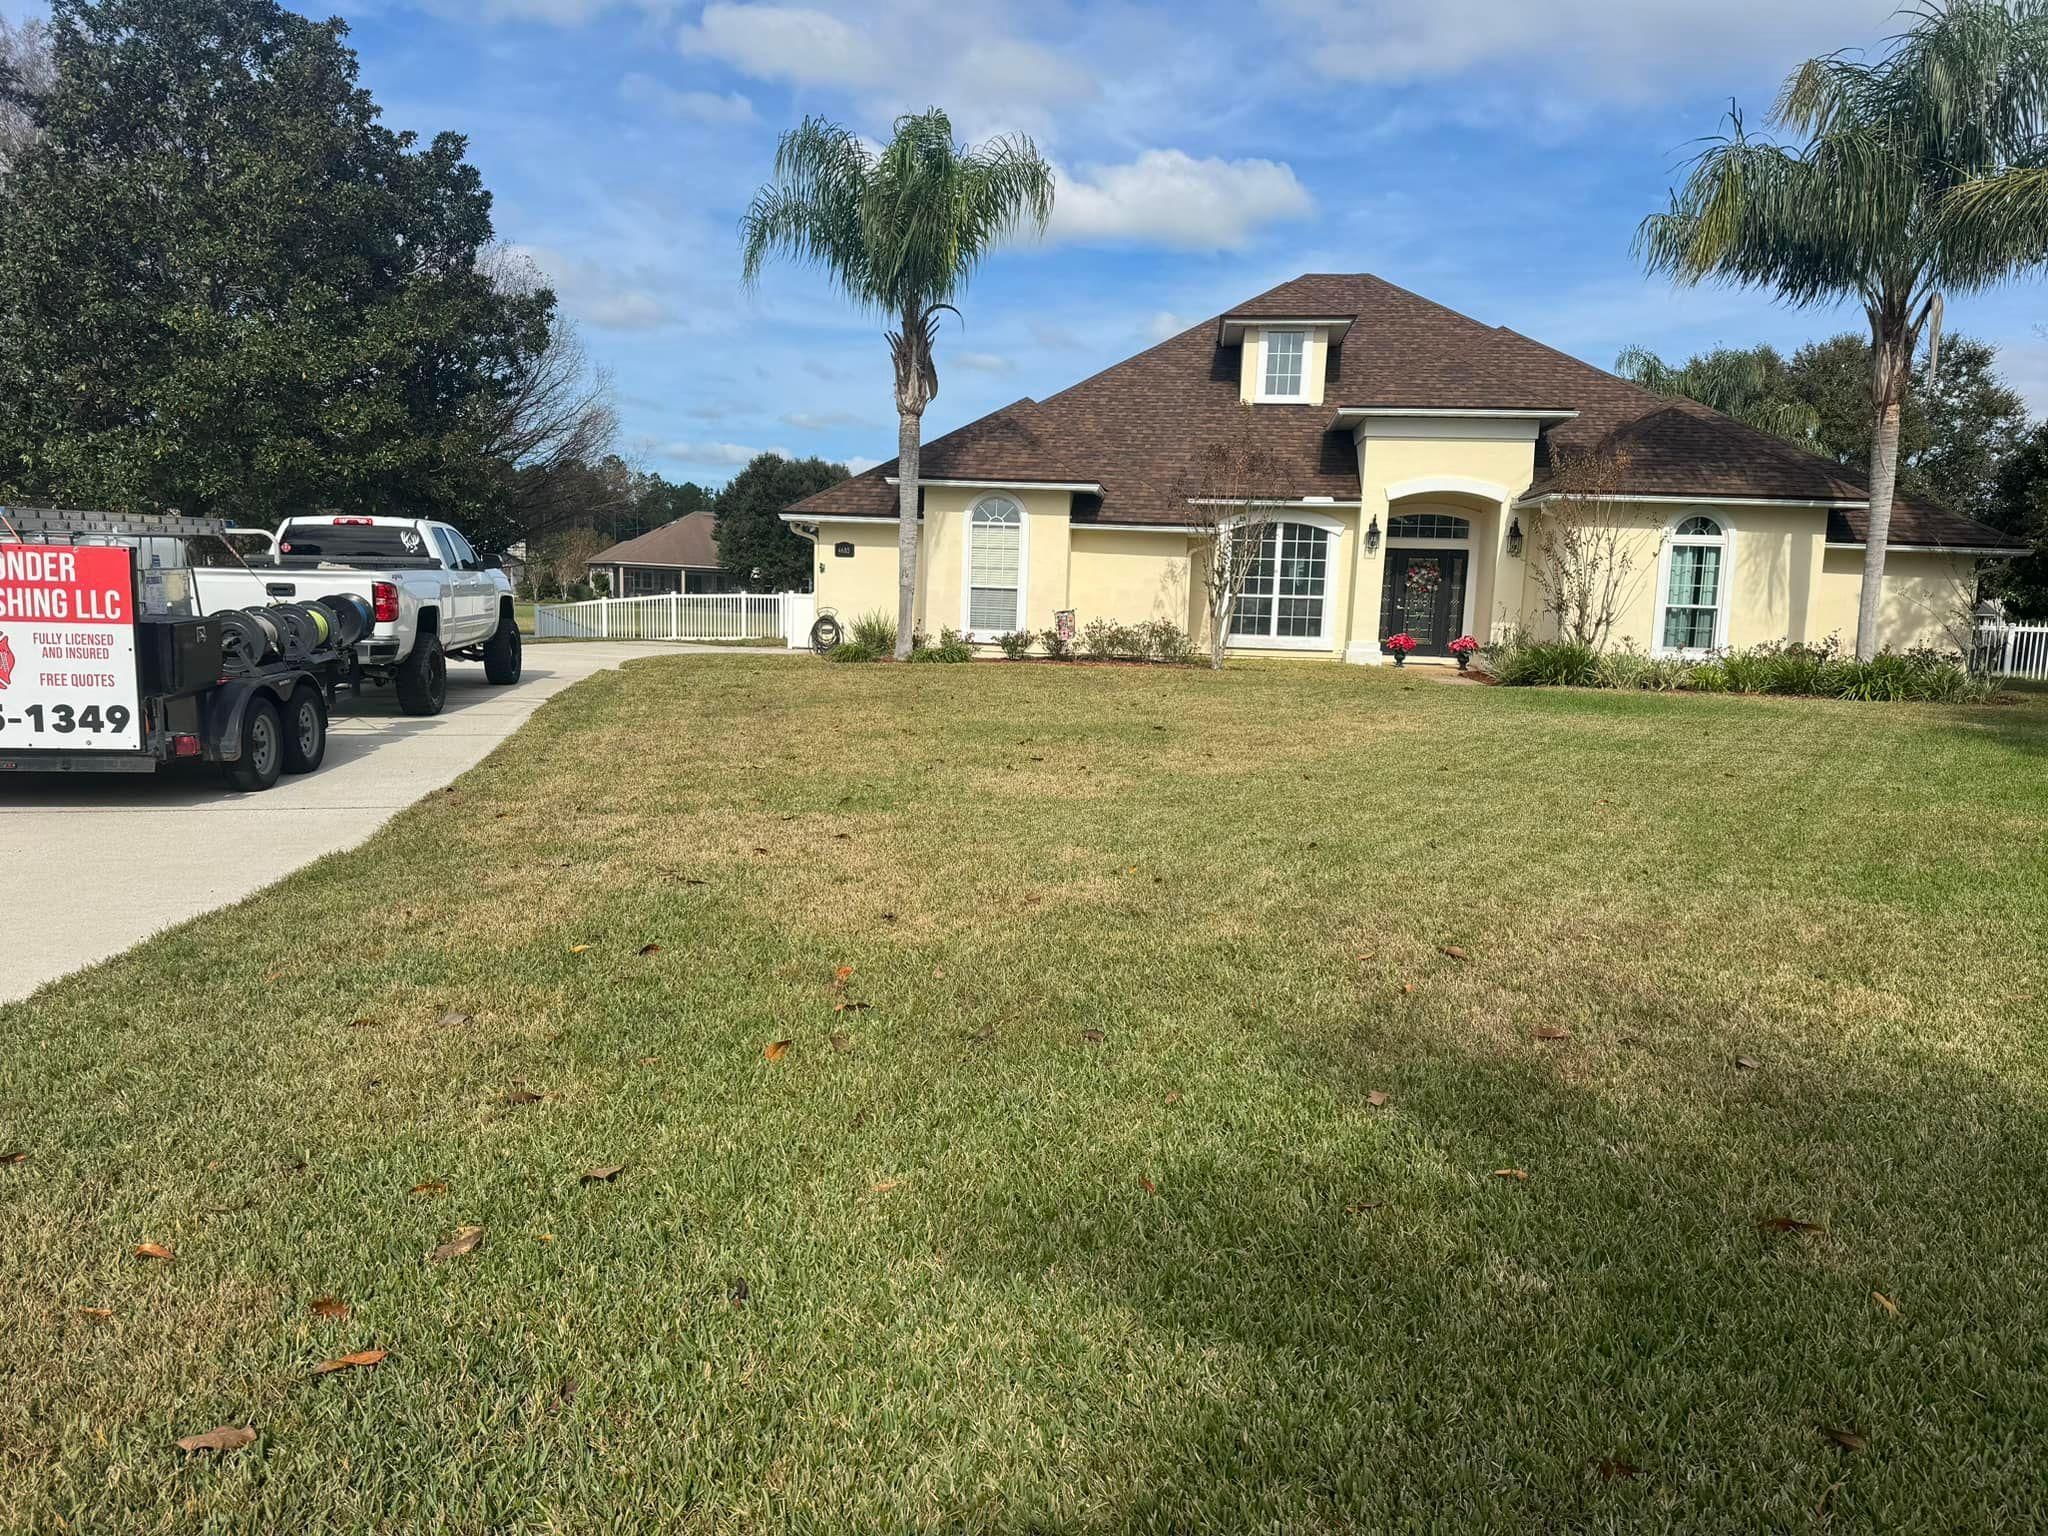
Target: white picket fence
{"x": 783, "y": 616}
{"x": 2016, "y": 650}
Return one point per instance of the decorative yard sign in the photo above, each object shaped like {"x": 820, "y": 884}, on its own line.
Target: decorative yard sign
{"x": 1063, "y": 621}
{"x": 67, "y": 648}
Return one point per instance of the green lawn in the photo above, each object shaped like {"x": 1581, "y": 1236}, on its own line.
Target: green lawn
{"x": 1080, "y": 1214}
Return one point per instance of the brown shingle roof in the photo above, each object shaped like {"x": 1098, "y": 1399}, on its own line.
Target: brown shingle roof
{"x": 1137, "y": 427}
{"x": 690, "y": 541}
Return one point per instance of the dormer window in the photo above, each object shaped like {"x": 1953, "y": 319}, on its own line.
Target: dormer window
{"x": 1283, "y": 365}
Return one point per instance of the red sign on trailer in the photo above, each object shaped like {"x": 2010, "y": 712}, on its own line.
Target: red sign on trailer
{"x": 67, "y": 649}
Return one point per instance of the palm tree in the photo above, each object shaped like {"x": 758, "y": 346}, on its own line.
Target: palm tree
{"x": 1864, "y": 208}
{"x": 900, "y": 230}
{"x": 1751, "y": 385}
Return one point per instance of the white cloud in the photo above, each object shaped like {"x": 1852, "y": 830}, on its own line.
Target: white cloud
{"x": 722, "y": 455}
{"x": 787, "y": 42}
{"x": 824, "y": 421}
{"x": 695, "y": 106}
{"x": 980, "y": 362}
{"x": 856, "y": 465}
{"x": 1634, "y": 51}
{"x": 1164, "y": 323}
{"x": 595, "y": 294}
{"x": 1167, "y": 197}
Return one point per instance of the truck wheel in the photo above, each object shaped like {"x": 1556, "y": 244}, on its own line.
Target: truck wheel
{"x": 262, "y": 756}
{"x": 305, "y": 730}
{"x": 501, "y": 651}
{"x": 422, "y": 678}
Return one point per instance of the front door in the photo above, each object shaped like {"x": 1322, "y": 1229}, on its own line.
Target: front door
{"x": 1424, "y": 595}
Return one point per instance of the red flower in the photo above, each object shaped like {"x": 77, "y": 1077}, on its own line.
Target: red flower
{"x": 1403, "y": 642}
{"x": 1464, "y": 645}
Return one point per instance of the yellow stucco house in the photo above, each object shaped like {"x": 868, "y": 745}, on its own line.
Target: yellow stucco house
{"x": 1417, "y": 453}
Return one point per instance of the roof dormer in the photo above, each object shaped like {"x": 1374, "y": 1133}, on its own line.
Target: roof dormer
{"x": 1284, "y": 359}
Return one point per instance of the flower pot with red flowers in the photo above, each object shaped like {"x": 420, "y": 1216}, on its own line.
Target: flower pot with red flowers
{"x": 1400, "y": 645}
{"x": 1462, "y": 648}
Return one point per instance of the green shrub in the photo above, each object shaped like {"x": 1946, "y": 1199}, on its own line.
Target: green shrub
{"x": 1166, "y": 641}
{"x": 1098, "y": 639}
{"x": 858, "y": 650}
{"x": 1055, "y": 644}
{"x": 1524, "y": 663}
{"x": 1816, "y": 670}
{"x": 951, "y": 646}
{"x": 876, "y": 631}
{"x": 1016, "y": 644}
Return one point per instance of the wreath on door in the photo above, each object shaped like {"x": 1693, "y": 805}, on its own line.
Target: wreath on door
{"x": 1424, "y": 580}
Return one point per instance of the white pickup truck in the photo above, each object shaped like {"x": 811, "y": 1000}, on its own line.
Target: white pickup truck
{"x": 432, "y": 596}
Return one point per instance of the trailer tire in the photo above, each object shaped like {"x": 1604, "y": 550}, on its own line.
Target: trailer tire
{"x": 262, "y": 757}
{"x": 422, "y": 678}
{"x": 305, "y": 730}
{"x": 502, "y": 659}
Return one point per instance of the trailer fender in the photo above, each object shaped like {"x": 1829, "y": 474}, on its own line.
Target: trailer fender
{"x": 227, "y": 704}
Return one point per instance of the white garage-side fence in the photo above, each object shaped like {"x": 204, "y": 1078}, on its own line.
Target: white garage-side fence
{"x": 785, "y": 616}
{"x": 2016, "y": 650}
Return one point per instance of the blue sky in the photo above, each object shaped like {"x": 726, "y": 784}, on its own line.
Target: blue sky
{"x": 1493, "y": 155}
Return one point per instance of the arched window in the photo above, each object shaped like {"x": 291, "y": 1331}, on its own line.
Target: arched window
{"x": 1285, "y": 599}
{"x": 995, "y": 567}
{"x": 1428, "y": 525}
{"x": 1693, "y": 604}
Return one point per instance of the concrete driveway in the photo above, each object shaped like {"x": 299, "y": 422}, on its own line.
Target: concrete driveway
{"x": 91, "y": 864}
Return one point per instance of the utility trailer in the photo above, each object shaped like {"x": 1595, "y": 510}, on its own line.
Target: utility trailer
{"x": 106, "y": 667}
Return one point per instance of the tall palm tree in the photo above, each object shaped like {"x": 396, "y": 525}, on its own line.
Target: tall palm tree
{"x": 900, "y": 230}
{"x": 1862, "y": 207}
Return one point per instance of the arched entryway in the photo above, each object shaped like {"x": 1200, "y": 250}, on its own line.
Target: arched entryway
{"x": 1426, "y": 587}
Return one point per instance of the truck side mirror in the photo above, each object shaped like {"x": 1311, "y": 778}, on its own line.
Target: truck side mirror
{"x": 490, "y": 562}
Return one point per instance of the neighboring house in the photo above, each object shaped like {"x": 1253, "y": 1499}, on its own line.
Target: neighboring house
{"x": 681, "y": 556}
{"x": 1419, "y": 449}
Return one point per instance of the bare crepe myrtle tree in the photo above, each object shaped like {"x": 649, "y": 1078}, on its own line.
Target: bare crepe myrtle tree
{"x": 1585, "y": 553}
{"x": 27, "y": 72}
{"x": 1228, "y": 490}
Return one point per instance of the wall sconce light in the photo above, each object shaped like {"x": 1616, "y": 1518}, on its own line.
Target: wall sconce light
{"x": 1372, "y": 535}
{"x": 1515, "y": 537}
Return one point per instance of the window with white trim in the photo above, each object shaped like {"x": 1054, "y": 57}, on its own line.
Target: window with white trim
{"x": 994, "y": 566}
{"x": 1428, "y": 525}
{"x": 1695, "y": 586}
{"x": 1286, "y": 586}
{"x": 1283, "y": 365}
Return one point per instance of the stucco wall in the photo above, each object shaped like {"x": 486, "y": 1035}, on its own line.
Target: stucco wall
{"x": 866, "y": 582}
{"x": 1926, "y": 597}
{"x": 1131, "y": 577}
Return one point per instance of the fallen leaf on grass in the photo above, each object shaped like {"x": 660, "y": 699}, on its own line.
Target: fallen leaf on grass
{"x": 97, "y": 1314}
{"x": 1453, "y": 952}
{"x": 775, "y": 1050}
{"x": 362, "y": 1357}
{"x": 1511, "y": 1173}
{"x": 13, "y": 1157}
{"x": 886, "y": 1185}
{"x": 1173, "y": 1096}
{"x": 841, "y": 1041}
{"x": 847, "y": 1005}
{"x": 1847, "y": 1439}
{"x": 328, "y": 1309}
{"x": 1612, "y": 1468}
{"x": 740, "y": 1293}
{"x": 1747, "y": 1063}
{"x": 1407, "y": 988}
{"x": 1147, "y": 1185}
{"x": 577, "y": 949}
{"x": 229, "y": 1437}
{"x": 888, "y": 917}
{"x": 1379, "y": 1098}
{"x": 1886, "y": 1302}
{"x": 1553, "y": 1032}
{"x": 649, "y": 949}
{"x": 938, "y": 973}
{"x": 465, "y": 1241}
{"x": 431, "y": 1187}
{"x": 842, "y": 976}
{"x": 602, "y": 1175}
{"x": 522, "y": 1096}
{"x": 1093, "y": 1036}
{"x": 1788, "y": 1224}
{"x": 362, "y": 1023}
{"x": 154, "y": 1251}
{"x": 454, "y": 1017}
